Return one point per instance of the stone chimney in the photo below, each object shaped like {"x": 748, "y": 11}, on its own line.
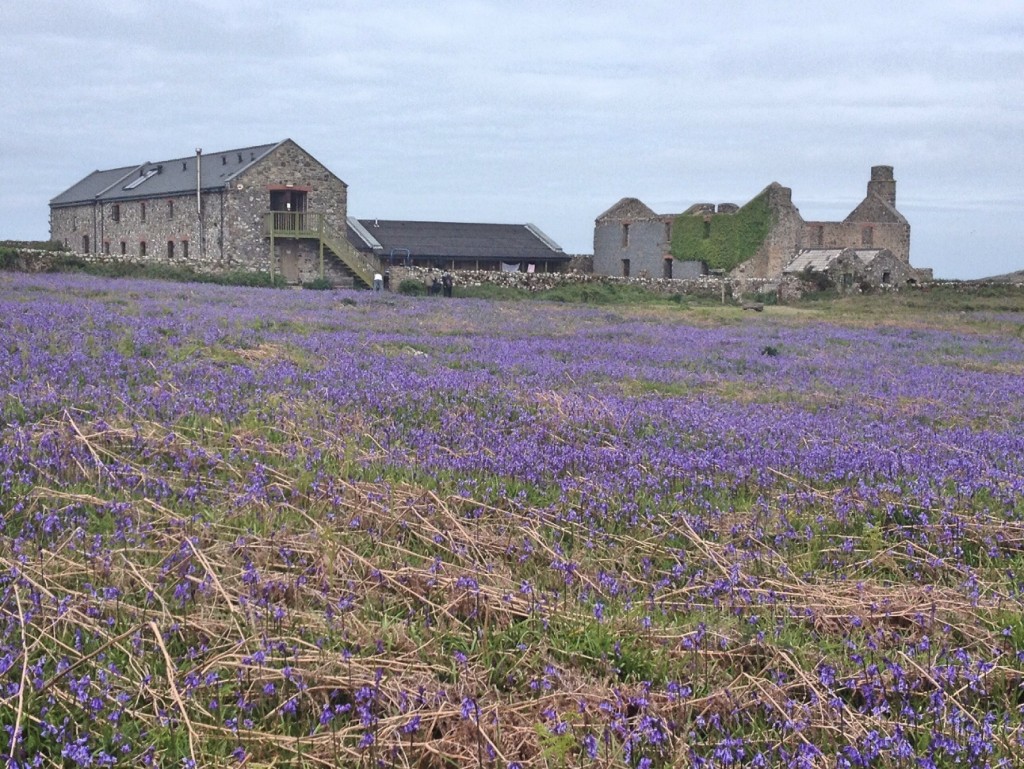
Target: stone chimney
{"x": 883, "y": 184}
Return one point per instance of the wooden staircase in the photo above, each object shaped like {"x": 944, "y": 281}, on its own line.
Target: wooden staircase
{"x": 333, "y": 245}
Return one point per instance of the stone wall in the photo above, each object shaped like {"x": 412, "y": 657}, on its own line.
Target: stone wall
{"x": 248, "y": 201}
{"x": 143, "y": 230}
{"x": 705, "y": 285}
{"x": 893, "y": 236}
{"x": 643, "y": 242}
{"x": 782, "y": 240}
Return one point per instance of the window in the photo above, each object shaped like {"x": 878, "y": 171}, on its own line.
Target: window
{"x": 668, "y": 232}
{"x": 106, "y": 246}
{"x": 184, "y": 249}
{"x": 124, "y": 248}
{"x": 625, "y": 235}
{"x": 170, "y": 249}
{"x": 886, "y": 278}
{"x": 85, "y": 244}
{"x": 142, "y": 177}
{"x": 170, "y": 209}
{"x": 625, "y": 268}
{"x": 142, "y": 248}
{"x": 115, "y": 212}
{"x": 142, "y": 211}
{"x": 867, "y": 236}
{"x": 666, "y": 269}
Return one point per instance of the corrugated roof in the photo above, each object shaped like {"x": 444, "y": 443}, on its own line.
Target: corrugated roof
{"x": 163, "y": 178}
{"x": 460, "y": 240}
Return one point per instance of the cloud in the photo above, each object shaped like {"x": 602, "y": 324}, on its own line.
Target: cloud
{"x": 538, "y": 111}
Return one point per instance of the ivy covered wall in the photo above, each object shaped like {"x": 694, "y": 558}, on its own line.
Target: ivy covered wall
{"x": 722, "y": 241}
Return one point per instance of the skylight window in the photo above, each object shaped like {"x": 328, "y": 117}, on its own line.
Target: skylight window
{"x": 136, "y": 182}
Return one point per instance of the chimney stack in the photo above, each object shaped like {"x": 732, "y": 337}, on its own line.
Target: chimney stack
{"x": 883, "y": 184}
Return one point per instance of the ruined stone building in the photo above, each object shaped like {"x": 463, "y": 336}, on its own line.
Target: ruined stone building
{"x": 757, "y": 240}
{"x": 270, "y": 208}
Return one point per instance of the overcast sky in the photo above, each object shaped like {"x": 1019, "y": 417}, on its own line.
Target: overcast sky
{"x": 541, "y": 111}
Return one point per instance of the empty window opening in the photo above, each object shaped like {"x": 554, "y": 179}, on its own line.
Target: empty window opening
{"x": 625, "y": 267}
{"x": 184, "y": 249}
{"x": 184, "y": 166}
{"x": 142, "y": 248}
{"x": 106, "y": 246}
{"x": 886, "y": 278}
{"x": 85, "y": 244}
{"x": 142, "y": 211}
{"x": 666, "y": 268}
{"x": 223, "y": 160}
{"x": 170, "y": 209}
{"x": 124, "y": 247}
{"x": 625, "y": 235}
{"x": 115, "y": 212}
{"x": 239, "y": 157}
{"x": 170, "y": 249}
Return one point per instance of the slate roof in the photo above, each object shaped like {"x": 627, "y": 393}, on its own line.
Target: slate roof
{"x": 164, "y": 177}
{"x": 453, "y": 240}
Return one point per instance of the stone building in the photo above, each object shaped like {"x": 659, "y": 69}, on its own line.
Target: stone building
{"x": 756, "y": 240}
{"x": 271, "y": 208}
{"x": 849, "y": 268}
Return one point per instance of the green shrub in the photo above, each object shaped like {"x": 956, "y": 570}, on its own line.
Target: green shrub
{"x": 318, "y": 284}
{"x": 7, "y": 258}
{"x": 411, "y": 287}
{"x": 249, "y": 278}
{"x": 820, "y": 280}
{"x": 601, "y": 293}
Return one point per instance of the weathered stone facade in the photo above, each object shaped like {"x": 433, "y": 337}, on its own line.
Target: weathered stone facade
{"x": 222, "y": 227}
{"x": 717, "y": 287}
{"x": 631, "y": 239}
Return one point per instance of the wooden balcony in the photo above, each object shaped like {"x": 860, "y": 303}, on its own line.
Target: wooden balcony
{"x": 311, "y": 224}
{"x": 293, "y": 224}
